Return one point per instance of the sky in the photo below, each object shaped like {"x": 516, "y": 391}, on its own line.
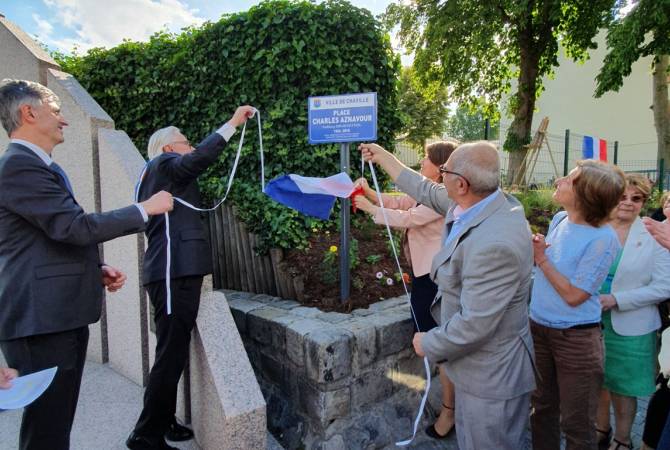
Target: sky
{"x": 64, "y": 24}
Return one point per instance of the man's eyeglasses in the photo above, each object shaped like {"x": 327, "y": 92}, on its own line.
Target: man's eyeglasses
{"x": 443, "y": 171}
{"x": 633, "y": 198}
{"x": 186, "y": 142}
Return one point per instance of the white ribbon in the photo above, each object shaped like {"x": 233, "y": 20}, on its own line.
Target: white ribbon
{"x": 168, "y": 258}
{"x": 426, "y": 365}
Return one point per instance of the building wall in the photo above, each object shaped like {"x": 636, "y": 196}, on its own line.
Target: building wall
{"x": 623, "y": 116}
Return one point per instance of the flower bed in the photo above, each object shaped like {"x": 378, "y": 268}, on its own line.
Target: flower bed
{"x": 374, "y": 273}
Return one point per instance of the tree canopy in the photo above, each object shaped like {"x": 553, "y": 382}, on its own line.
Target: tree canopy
{"x": 476, "y": 48}
{"x": 643, "y": 32}
{"x": 466, "y": 125}
{"x": 422, "y": 108}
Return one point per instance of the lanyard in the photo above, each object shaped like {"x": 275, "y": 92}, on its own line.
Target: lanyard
{"x": 426, "y": 365}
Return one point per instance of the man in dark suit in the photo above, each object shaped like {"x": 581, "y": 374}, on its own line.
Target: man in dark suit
{"x": 51, "y": 276}
{"x": 174, "y": 166}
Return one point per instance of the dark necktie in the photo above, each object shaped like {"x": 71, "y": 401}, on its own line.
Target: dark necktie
{"x": 59, "y": 170}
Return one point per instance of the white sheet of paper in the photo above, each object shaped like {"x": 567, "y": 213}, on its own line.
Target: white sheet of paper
{"x": 26, "y": 389}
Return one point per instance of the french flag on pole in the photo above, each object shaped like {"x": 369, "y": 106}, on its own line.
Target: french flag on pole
{"x": 589, "y": 150}
{"x": 310, "y": 196}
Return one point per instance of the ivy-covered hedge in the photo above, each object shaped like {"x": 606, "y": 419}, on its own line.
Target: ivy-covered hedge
{"x": 273, "y": 57}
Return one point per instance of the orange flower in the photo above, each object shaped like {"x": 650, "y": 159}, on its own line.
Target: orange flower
{"x": 405, "y": 277}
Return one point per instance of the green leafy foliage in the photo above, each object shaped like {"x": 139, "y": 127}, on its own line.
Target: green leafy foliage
{"x": 423, "y": 108}
{"x": 466, "y": 125}
{"x": 329, "y": 267}
{"x": 475, "y": 48}
{"x": 373, "y": 259}
{"x": 273, "y": 57}
{"x": 643, "y": 32}
{"x": 652, "y": 203}
{"x": 539, "y": 207}
{"x": 394, "y": 243}
{"x": 354, "y": 260}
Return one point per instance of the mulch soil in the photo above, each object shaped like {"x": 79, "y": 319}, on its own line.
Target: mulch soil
{"x": 365, "y": 287}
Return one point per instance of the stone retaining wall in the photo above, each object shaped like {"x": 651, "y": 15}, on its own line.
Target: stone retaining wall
{"x": 332, "y": 380}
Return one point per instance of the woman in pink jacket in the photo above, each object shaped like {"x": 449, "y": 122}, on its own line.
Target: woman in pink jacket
{"x": 423, "y": 238}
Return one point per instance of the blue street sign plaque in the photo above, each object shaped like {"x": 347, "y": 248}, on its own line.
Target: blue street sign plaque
{"x": 342, "y": 118}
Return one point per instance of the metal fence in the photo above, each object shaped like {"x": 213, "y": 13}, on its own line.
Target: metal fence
{"x": 558, "y": 155}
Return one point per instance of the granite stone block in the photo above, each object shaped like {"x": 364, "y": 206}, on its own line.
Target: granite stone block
{"x": 328, "y": 354}
{"x": 264, "y": 298}
{"x": 285, "y": 304}
{"x": 333, "y": 317}
{"x": 227, "y": 406}
{"x": 237, "y": 295}
{"x": 397, "y": 301}
{"x": 383, "y": 305}
{"x": 394, "y": 332}
{"x": 295, "y": 339}
{"x": 334, "y": 443}
{"x": 274, "y": 370}
{"x": 278, "y": 330}
{"x": 261, "y": 324}
{"x": 324, "y": 407}
{"x": 408, "y": 374}
{"x": 240, "y": 308}
{"x": 371, "y": 387}
{"x": 305, "y": 311}
{"x": 127, "y": 314}
{"x": 361, "y": 312}
{"x": 365, "y": 342}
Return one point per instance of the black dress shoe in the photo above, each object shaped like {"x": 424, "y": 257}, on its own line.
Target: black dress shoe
{"x": 136, "y": 442}
{"x": 604, "y": 439}
{"x": 178, "y": 432}
{"x": 432, "y": 432}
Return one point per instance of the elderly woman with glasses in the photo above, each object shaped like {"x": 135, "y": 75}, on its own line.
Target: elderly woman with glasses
{"x": 638, "y": 280}
{"x": 571, "y": 265}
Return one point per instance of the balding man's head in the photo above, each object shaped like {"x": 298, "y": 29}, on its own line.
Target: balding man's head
{"x": 479, "y": 163}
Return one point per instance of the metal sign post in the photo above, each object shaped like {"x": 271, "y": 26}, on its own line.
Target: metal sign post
{"x": 345, "y": 274}
{"x": 344, "y": 119}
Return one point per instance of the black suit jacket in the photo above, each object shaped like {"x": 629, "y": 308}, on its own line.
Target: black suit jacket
{"x": 50, "y": 277}
{"x": 177, "y": 174}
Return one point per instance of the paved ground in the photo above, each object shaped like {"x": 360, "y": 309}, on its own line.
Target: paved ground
{"x": 109, "y": 405}
{"x": 424, "y": 443}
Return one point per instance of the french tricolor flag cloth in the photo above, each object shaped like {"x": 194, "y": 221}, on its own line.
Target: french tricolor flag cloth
{"x": 594, "y": 148}
{"x": 310, "y": 196}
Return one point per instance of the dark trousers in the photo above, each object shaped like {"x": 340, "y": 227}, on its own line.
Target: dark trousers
{"x": 173, "y": 334}
{"x": 657, "y": 413}
{"x": 47, "y": 422}
{"x": 664, "y": 441}
{"x": 423, "y": 294}
{"x": 570, "y": 371}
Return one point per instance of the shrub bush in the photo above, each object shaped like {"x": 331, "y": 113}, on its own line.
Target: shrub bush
{"x": 273, "y": 57}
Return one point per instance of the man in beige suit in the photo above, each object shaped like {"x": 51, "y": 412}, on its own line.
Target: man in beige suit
{"x": 483, "y": 276}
